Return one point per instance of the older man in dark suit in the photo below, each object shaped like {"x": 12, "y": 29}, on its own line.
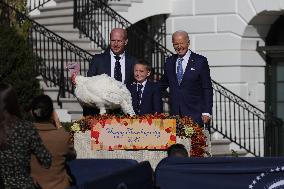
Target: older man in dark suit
{"x": 115, "y": 62}
{"x": 187, "y": 75}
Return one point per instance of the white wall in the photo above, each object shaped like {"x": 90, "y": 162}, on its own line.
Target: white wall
{"x": 140, "y": 11}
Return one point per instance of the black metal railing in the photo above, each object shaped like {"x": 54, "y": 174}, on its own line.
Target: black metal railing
{"x": 52, "y": 50}
{"x": 35, "y": 4}
{"x": 96, "y": 19}
{"x": 233, "y": 117}
{"x": 243, "y": 123}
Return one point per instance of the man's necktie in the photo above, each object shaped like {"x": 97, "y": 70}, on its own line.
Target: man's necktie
{"x": 117, "y": 69}
{"x": 139, "y": 94}
{"x": 179, "y": 70}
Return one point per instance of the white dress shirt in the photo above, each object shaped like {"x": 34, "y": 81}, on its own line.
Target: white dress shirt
{"x": 122, "y": 64}
{"x": 184, "y": 61}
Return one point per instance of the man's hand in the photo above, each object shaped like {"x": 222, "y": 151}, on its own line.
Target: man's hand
{"x": 206, "y": 119}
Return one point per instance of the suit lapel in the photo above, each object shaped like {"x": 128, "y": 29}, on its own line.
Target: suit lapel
{"x": 134, "y": 94}
{"x": 189, "y": 65}
{"x": 187, "y": 68}
{"x": 128, "y": 69}
{"x": 173, "y": 68}
{"x": 107, "y": 60}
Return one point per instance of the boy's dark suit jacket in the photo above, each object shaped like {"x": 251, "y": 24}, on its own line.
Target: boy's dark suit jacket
{"x": 101, "y": 64}
{"x": 194, "y": 95}
{"x": 151, "y": 101}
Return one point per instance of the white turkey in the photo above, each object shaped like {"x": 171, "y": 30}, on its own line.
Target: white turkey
{"x": 100, "y": 91}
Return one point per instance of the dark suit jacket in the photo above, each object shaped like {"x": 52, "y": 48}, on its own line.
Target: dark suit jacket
{"x": 151, "y": 101}
{"x": 61, "y": 148}
{"x": 194, "y": 95}
{"x": 101, "y": 64}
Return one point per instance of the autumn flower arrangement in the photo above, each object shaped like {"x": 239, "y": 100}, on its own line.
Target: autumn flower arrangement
{"x": 185, "y": 128}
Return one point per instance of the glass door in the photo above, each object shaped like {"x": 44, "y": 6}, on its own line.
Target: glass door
{"x": 275, "y": 94}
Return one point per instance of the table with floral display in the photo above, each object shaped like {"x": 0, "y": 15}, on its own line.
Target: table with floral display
{"x": 186, "y": 132}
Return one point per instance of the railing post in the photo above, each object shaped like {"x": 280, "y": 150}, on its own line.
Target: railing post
{"x": 61, "y": 92}
{"x": 75, "y": 24}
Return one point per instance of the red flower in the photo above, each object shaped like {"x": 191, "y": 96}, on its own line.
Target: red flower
{"x": 102, "y": 122}
{"x": 149, "y": 121}
{"x": 117, "y": 119}
{"x": 173, "y": 138}
{"x": 95, "y": 134}
{"x": 168, "y": 130}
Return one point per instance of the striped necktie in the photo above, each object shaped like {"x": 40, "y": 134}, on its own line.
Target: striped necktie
{"x": 117, "y": 69}
{"x": 179, "y": 70}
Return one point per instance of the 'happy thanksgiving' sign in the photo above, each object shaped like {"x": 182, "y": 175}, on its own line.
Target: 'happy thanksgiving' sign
{"x": 119, "y": 134}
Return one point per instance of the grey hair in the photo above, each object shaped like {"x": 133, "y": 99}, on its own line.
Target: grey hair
{"x": 181, "y": 32}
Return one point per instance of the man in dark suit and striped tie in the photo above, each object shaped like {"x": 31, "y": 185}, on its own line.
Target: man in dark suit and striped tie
{"x": 187, "y": 75}
{"x": 115, "y": 62}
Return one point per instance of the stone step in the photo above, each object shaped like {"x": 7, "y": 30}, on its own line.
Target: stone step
{"x": 60, "y": 5}
{"x": 64, "y": 19}
{"x": 63, "y": 115}
{"x": 66, "y": 54}
{"x": 76, "y": 115}
{"x": 81, "y": 43}
{"x": 71, "y": 34}
{"x": 56, "y": 11}
{"x": 239, "y": 153}
{"x": 220, "y": 146}
{"x": 56, "y": 68}
{"x": 53, "y": 13}
{"x": 120, "y": 6}
{"x": 71, "y": 104}
{"x": 62, "y": 1}
{"x": 52, "y": 92}
{"x": 64, "y": 27}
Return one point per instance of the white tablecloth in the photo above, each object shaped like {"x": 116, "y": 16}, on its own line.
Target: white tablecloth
{"x": 82, "y": 143}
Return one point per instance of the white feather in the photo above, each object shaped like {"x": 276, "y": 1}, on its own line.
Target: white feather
{"x": 103, "y": 92}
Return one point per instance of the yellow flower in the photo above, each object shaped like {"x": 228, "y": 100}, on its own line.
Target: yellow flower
{"x": 75, "y": 127}
{"x": 189, "y": 131}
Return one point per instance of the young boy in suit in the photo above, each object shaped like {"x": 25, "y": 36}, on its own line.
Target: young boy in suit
{"x": 146, "y": 95}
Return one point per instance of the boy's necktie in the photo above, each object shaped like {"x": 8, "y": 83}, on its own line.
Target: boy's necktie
{"x": 179, "y": 70}
{"x": 117, "y": 69}
{"x": 139, "y": 93}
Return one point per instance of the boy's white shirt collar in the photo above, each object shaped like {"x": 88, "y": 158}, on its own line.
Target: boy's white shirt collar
{"x": 144, "y": 83}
